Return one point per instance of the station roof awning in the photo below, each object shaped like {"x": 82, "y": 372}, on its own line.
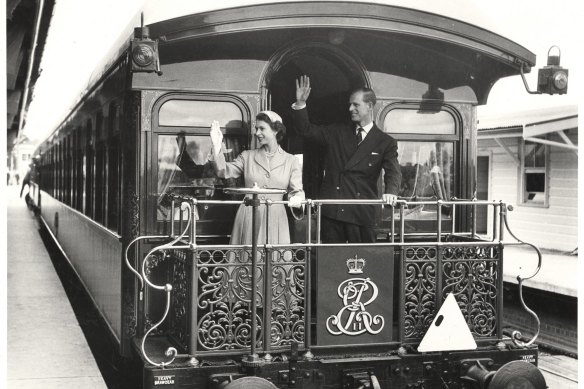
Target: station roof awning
{"x": 532, "y": 125}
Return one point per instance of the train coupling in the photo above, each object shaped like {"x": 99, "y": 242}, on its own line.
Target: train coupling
{"x": 360, "y": 379}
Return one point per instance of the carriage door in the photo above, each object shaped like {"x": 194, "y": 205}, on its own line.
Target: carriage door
{"x": 332, "y": 77}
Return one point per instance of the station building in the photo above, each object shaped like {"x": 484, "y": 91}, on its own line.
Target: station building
{"x": 530, "y": 160}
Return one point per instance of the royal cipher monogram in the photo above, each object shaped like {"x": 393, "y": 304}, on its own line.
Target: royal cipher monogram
{"x": 353, "y": 319}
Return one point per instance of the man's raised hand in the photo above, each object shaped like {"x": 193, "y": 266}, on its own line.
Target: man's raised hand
{"x": 302, "y": 90}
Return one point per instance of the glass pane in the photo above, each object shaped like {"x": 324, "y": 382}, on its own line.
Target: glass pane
{"x": 427, "y": 174}
{"x": 410, "y": 121}
{"x": 535, "y": 188}
{"x": 534, "y": 154}
{"x": 190, "y": 173}
{"x": 427, "y": 169}
{"x": 535, "y": 182}
{"x": 191, "y": 113}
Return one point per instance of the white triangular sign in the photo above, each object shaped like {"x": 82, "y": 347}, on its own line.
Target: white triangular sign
{"x": 448, "y": 330}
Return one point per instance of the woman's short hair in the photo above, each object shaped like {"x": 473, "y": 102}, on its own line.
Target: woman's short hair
{"x": 277, "y": 126}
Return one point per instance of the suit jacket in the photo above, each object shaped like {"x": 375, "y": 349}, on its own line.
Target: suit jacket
{"x": 351, "y": 170}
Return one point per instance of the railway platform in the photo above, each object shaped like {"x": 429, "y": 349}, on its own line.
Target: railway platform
{"x": 558, "y": 273}
{"x": 46, "y": 346}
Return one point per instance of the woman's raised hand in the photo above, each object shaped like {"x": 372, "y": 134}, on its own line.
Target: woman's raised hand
{"x": 302, "y": 90}
{"x": 216, "y": 137}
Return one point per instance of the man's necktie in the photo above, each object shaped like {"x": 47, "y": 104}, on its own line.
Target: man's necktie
{"x": 360, "y": 135}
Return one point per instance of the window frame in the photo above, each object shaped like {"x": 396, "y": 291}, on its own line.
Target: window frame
{"x": 523, "y": 171}
{"x": 455, "y": 139}
{"x": 159, "y": 130}
{"x": 417, "y": 136}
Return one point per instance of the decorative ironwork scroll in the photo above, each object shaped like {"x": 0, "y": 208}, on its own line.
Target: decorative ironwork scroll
{"x": 224, "y": 299}
{"x": 420, "y": 290}
{"x": 471, "y": 274}
{"x": 179, "y": 300}
{"x": 224, "y": 295}
{"x": 288, "y": 286}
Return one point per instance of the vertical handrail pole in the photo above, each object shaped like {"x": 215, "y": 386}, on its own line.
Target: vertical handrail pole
{"x": 309, "y": 217}
{"x": 502, "y": 211}
{"x": 439, "y": 220}
{"x": 318, "y": 221}
{"x": 253, "y": 356}
{"x": 495, "y": 216}
{"x": 402, "y": 222}
{"x": 180, "y": 218}
{"x": 172, "y": 217}
{"x": 392, "y": 223}
{"x": 307, "y": 284}
{"x": 193, "y": 237}
{"x": 439, "y": 255}
{"x": 193, "y": 322}
{"x": 267, "y": 316}
{"x": 453, "y": 219}
{"x": 474, "y": 220}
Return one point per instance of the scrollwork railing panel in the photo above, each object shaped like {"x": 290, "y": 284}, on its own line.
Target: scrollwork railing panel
{"x": 224, "y": 293}
{"x": 288, "y": 293}
{"x": 179, "y": 302}
{"x": 224, "y": 298}
{"x": 472, "y": 274}
{"x": 420, "y": 290}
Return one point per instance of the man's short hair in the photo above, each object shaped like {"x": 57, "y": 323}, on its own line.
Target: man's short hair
{"x": 368, "y": 94}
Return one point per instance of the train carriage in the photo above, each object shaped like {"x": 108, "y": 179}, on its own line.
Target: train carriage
{"x": 149, "y": 241}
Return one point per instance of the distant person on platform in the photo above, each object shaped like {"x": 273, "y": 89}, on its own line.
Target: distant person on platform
{"x": 26, "y": 182}
{"x": 356, "y": 151}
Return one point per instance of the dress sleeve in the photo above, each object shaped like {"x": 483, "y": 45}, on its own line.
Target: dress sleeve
{"x": 225, "y": 169}
{"x": 295, "y": 183}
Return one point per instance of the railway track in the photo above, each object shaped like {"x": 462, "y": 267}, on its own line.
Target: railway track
{"x": 557, "y": 313}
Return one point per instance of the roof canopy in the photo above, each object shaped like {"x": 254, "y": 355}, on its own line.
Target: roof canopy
{"x": 532, "y": 125}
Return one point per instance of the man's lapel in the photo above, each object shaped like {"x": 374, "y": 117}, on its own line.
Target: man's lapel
{"x": 365, "y": 148}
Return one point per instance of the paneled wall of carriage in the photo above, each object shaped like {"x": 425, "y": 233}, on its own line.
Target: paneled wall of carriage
{"x": 81, "y": 166}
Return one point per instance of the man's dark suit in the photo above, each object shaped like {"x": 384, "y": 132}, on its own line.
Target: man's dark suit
{"x": 351, "y": 170}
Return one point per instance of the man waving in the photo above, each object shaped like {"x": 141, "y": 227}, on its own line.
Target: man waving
{"x": 356, "y": 151}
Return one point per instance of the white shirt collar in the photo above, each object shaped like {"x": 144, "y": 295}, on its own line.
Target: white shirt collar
{"x": 366, "y": 128}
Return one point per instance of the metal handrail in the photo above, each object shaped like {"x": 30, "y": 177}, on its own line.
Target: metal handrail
{"x": 401, "y": 204}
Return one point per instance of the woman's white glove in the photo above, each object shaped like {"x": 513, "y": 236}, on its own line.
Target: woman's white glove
{"x": 216, "y": 137}
{"x": 295, "y": 201}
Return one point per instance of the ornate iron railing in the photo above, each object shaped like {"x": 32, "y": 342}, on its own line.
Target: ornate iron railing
{"x": 209, "y": 290}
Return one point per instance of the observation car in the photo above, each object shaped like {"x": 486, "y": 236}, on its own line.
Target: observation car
{"x": 150, "y": 242}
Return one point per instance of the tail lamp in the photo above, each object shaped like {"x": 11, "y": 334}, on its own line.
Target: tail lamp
{"x": 551, "y": 79}
{"x": 144, "y": 51}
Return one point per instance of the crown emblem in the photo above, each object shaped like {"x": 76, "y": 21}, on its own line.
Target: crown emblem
{"x": 355, "y": 265}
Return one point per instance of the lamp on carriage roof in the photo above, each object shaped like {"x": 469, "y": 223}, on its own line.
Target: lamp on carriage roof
{"x": 432, "y": 100}
{"x": 144, "y": 51}
{"x": 551, "y": 79}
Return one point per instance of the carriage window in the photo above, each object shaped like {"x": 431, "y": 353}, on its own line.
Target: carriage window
{"x": 191, "y": 113}
{"x": 411, "y": 121}
{"x": 534, "y": 173}
{"x": 427, "y": 169}
{"x": 189, "y": 172}
{"x": 427, "y": 163}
